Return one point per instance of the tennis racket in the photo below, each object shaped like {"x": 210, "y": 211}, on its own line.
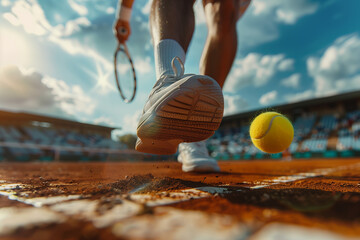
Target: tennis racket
{"x": 125, "y": 75}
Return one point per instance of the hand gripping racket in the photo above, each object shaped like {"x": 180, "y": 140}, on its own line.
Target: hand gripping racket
{"x": 123, "y": 73}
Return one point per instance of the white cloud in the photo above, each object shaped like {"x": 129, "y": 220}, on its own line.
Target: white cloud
{"x": 14, "y": 48}
{"x": 104, "y": 121}
{"x": 143, "y": 65}
{"x": 79, "y": 35}
{"x": 286, "y": 65}
{"x": 71, "y": 27}
{"x": 5, "y": 3}
{"x": 199, "y": 13}
{"x": 130, "y": 122}
{"x": 24, "y": 90}
{"x": 110, "y": 10}
{"x": 291, "y": 81}
{"x": 30, "y": 15}
{"x": 285, "y": 11}
{"x": 104, "y": 68}
{"x": 256, "y": 70}
{"x": 268, "y": 98}
{"x": 234, "y": 104}
{"x": 27, "y": 90}
{"x": 308, "y": 94}
{"x": 80, "y": 9}
{"x": 75, "y": 46}
{"x": 11, "y": 19}
{"x": 260, "y": 23}
{"x": 71, "y": 99}
{"x": 147, "y": 7}
{"x": 338, "y": 68}
{"x": 256, "y": 30}
{"x": 348, "y": 84}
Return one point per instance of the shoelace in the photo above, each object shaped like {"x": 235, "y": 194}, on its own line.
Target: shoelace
{"x": 169, "y": 79}
{"x": 175, "y": 70}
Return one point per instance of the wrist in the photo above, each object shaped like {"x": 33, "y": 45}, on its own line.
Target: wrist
{"x": 125, "y": 13}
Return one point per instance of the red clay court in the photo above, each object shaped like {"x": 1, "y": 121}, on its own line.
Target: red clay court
{"x": 263, "y": 199}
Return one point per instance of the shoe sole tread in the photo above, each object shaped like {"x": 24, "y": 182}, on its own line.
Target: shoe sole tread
{"x": 187, "y": 115}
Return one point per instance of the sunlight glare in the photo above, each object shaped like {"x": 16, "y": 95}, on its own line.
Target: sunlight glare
{"x": 13, "y": 48}
{"x": 101, "y": 77}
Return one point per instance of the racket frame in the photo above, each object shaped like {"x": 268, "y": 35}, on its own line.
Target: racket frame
{"x": 122, "y": 47}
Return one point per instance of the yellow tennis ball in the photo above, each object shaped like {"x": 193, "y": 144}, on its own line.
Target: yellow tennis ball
{"x": 271, "y": 132}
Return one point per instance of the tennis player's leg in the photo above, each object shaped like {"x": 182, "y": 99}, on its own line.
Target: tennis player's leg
{"x": 216, "y": 61}
{"x": 180, "y": 108}
{"x": 221, "y": 43}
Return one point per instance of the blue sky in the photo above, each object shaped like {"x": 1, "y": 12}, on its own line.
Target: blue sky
{"x": 56, "y": 56}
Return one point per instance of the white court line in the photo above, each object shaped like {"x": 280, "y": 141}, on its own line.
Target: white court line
{"x": 300, "y": 176}
{"x": 275, "y": 231}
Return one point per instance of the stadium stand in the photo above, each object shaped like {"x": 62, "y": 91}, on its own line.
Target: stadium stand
{"x": 349, "y": 132}
{"x": 324, "y": 127}
{"x": 26, "y": 137}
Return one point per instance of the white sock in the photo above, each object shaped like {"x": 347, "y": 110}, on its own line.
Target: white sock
{"x": 164, "y": 53}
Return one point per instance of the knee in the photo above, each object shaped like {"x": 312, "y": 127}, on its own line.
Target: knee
{"x": 221, "y": 16}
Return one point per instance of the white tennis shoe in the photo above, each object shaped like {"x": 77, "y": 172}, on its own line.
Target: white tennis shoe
{"x": 195, "y": 158}
{"x": 180, "y": 108}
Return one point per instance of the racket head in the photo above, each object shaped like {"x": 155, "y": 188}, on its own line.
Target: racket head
{"x": 125, "y": 75}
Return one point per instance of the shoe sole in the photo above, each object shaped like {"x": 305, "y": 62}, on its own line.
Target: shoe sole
{"x": 189, "y": 113}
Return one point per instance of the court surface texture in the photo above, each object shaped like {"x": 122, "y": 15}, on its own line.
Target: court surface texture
{"x": 263, "y": 199}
